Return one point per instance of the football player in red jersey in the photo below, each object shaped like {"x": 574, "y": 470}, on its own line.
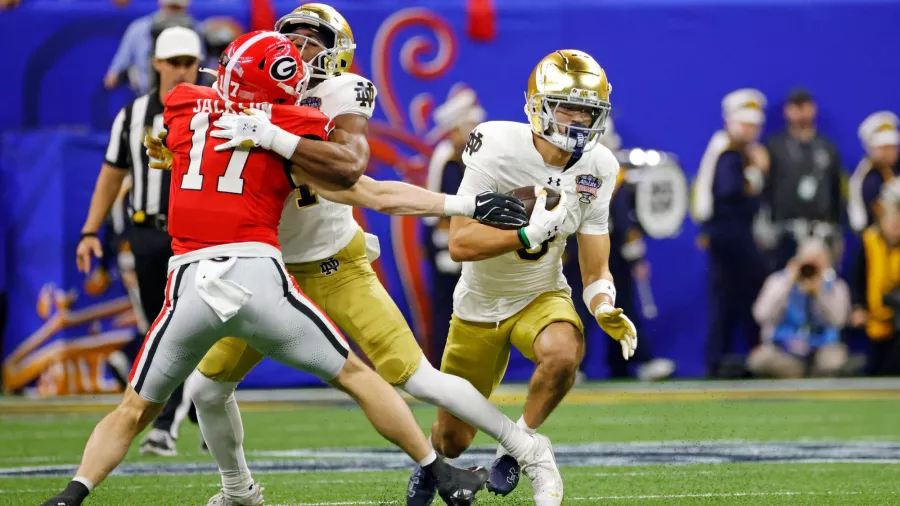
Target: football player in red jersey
{"x": 228, "y": 279}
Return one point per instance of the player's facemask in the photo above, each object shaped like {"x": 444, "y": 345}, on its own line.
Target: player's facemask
{"x": 575, "y": 135}
{"x": 336, "y": 47}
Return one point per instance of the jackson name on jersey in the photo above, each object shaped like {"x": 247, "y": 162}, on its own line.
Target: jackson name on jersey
{"x": 313, "y": 228}
{"x": 500, "y": 156}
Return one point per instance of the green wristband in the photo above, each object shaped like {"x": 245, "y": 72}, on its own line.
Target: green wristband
{"x": 524, "y": 238}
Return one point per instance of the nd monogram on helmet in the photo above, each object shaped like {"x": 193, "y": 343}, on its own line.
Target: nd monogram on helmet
{"x": 331, "y": 27}
{"x": 568, "y": 80}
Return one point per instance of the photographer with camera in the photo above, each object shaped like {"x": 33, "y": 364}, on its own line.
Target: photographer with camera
{"x": 801, "y": 310}
{"x": 876, "y": 284}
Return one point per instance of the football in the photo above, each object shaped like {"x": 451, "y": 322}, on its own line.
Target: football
{"x": 528, "y": 196}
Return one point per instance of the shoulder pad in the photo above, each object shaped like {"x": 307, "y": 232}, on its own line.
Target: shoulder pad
{"x": 344, "y": 94}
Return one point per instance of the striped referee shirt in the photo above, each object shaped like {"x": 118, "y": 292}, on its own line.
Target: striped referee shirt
{"x": 150, "y": 190}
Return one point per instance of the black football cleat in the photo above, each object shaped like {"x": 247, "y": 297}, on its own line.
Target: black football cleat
{"x": 504, "y": 475}
{"x": 61, "y": 500}
{"x": 73, "y": 495}
{"x": 421, "y": 488}
{"x": 459, "y": 486}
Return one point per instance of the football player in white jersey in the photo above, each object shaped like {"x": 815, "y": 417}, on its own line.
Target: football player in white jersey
{"x": 512, "y": 290}
{"x": 326, "y": 252}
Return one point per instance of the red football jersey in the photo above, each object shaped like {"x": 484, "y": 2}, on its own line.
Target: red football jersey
{"x": 229, "y": 196}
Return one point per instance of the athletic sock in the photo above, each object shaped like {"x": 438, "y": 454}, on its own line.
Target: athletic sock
{"x": 460, "y": 398}
{"x": 220, "y": 423}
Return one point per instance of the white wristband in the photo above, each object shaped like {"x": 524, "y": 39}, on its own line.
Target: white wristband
{"x": 596, "y": 288}
{"x": 459, "y": 205}
{"x": 284, "y": 143}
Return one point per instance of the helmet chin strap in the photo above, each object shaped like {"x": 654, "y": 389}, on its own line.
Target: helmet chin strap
{"x": 580, "y": 140}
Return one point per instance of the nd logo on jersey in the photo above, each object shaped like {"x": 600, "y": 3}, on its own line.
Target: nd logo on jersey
{"x": 474, "y": 142}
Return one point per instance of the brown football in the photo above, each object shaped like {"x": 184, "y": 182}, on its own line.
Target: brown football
{"x": 528, "y": 196}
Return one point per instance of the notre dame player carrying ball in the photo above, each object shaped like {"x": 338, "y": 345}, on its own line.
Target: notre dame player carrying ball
{"x": 512, "y": 290}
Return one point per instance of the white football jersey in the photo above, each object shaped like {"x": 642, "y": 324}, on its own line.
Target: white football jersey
{"x": 313, "y": 228}
{"x": 500, "y": 156}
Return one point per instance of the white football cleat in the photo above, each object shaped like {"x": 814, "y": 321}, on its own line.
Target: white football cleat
{"x": 656, "y": 369}
{"x": 254, "y": 499}
{"x": 540, "y": 467}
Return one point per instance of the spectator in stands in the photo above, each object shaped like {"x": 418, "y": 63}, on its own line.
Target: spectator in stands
{"x": 801, "y": 310}
{"x": 134, "y": 56}
{"x": 9, "y": 4}
{"x": 803, "y": 189}
{"x": 456, "y": 117}
{"x": 881, "y": 140}
{"x": 726, "y": 201}
{"x": 875, "y": 286}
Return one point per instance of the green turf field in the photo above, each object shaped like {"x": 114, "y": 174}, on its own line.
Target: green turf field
{"x": 750, "y": 451}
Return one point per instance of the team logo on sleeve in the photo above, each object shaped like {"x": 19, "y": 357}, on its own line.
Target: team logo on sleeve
{"x": 283, "y": 69}
{"x": 474, "y": 142}
{"x": 587, "y": 185}
{"x": 365, "y": 94}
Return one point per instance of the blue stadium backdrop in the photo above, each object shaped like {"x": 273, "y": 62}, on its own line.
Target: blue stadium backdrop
{"x": 670, "y": 62}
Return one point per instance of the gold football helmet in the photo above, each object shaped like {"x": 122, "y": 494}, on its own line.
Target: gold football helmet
{"x": 571, "y": 82}
{"x": 337, "y": 46}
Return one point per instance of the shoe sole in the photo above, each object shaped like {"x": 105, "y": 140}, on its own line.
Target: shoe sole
{"x": 158, "y": 452}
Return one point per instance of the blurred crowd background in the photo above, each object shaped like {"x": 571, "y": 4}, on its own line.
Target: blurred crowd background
{"x": 756, "y": 222}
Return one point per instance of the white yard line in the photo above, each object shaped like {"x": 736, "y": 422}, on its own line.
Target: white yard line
{"x": 338, "y": 503}
{"x": 623, "y": 497}
{"x": 720, "y": 494}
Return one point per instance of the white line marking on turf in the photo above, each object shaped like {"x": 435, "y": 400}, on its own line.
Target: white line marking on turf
{"x": 621, "y": 497}
{"x": 338, "y": 503}
{"x": 722, "y": 494}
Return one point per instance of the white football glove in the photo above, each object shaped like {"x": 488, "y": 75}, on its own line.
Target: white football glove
{"x": 248, "y": 130}
{"x": 544, "y": 224}
{"x": 614, "y": 322}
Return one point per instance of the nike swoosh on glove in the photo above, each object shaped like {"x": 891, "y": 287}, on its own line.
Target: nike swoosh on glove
{"x": 500, "y": 210}
{"x": 614, "y": 322}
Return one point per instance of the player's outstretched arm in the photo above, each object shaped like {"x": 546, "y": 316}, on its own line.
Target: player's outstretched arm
{"x": 403, "y": 199}
{"x": 398, "y": 198}
{"x": 600, "y": 291}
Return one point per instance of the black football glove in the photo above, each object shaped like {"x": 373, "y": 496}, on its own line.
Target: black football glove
{"x": 499, "y": 210}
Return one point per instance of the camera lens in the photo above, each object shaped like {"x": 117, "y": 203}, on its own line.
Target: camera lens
{"x": 808, "y": 270}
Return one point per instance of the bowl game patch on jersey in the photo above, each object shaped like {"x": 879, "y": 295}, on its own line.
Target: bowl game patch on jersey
{"x": 314, "y": 102}
{"x": 587, "y": 185}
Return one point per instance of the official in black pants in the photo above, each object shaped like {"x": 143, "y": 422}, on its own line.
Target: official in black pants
{"x": 177, "y": 54}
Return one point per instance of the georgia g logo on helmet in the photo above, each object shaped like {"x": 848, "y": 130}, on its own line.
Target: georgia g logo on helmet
{"x": 283, "y": 69}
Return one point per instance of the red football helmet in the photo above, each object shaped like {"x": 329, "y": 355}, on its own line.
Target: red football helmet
{"x": 261, "y": 67}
